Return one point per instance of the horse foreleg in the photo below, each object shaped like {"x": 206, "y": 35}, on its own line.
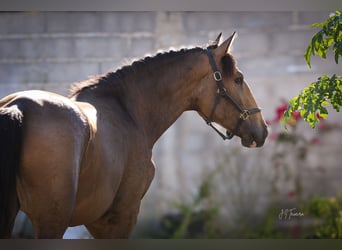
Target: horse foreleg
{"x": 121, "y": 217}
{"x": 116, "y": 223}
{"x": 46, "y": 231}
{"x": 51, "y": 218}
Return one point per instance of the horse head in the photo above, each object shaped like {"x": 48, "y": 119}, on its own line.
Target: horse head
{"x": 225, "y": 98}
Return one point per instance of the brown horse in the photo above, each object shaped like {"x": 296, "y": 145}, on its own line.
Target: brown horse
{"x": 87, "y": 159}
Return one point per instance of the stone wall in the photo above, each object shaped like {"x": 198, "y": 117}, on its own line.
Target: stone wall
{"x": 51, "y": 50}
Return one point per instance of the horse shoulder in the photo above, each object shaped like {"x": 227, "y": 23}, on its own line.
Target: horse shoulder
{"x": 102, "y": 165}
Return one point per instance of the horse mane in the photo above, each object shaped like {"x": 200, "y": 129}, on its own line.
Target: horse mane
{"x": 119, "y": 75}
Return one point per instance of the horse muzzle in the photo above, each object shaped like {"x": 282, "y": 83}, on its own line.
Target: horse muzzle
{"x": 256, "y": 138}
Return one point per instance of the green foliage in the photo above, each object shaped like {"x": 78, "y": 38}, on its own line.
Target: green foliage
{"x": 328, "y": 214}
{"x": 313, "y": 100}
{"x": 198, "y": 219}
{"x": 329, "y": 35}
{"x": 326, "y": 91}
{"x": 195, "y": 222}
{"x": 267, "y": 227}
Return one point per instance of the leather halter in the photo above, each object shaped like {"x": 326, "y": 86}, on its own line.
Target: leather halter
{"x": 222, "y": 92}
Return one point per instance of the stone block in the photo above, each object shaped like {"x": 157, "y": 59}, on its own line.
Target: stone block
{"x": 112, "y": 65}
{"x": 310, "y": 17}
{"x": 22, "y": 73}
{"x": 59, "y": 47}
{"x": 21, "y": 22}
{"x": 142, "y": 46}
{"x": 108, "y": 47}
{"x": 7, "y": 48}
{"x": 128, "y": 22}
{"x": 27, "y": 48}
{"x": 195, "y": 22}
{"x": 72, "y": 22}
{"x": 272, "y": 65}
{"x": 63, "y": 47}
{"x": 262, "y": 21}
{"x": 71, "y": 72}
{"x": 198, "y": 40}
{"x": 252, "y": 43}
{"x": 291, "y": 42}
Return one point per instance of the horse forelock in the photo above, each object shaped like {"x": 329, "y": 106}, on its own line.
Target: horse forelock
{"x": 228, "y": 64}
{"x": 118, "y": 77}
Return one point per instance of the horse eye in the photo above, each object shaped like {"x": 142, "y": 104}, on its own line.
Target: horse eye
{"x": 239, "y": 80}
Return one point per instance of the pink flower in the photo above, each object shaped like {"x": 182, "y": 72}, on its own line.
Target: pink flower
{"x": 291, "y": 194}
{"x": 280, "y": 112}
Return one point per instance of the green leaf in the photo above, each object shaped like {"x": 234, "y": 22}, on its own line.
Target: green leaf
{"x": 307, "y": 55}
{"x": 314, "y": 99}
{"x": 338, "y": 50}
{"x": 329, "y": 35}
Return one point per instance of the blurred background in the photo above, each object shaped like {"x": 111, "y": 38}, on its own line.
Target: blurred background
{"x": 204, "y": 187}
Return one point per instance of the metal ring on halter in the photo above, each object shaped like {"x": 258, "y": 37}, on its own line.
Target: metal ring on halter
{"x": 217, "y": 76}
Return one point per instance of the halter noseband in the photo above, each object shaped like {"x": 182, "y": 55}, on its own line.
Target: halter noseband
{"x": 222, "y": 92}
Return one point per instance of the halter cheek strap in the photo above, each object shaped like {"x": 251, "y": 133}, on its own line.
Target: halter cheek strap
{"x": 222, "y": 92}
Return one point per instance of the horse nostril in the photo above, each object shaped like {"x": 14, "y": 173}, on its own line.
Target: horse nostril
{"x": 260, "y": 140}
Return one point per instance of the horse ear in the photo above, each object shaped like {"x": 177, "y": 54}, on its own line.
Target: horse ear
{"x": 214, "y": 44}
{"x": 224, "y": 47}
{"x": 217, "y": 40}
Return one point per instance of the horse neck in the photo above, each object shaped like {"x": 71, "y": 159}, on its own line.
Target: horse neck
{"x": 165, "y": 93}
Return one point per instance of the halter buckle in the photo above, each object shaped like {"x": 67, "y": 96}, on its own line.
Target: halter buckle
{"x": 217, "y": 76}
{"x": 244, "y": 115}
